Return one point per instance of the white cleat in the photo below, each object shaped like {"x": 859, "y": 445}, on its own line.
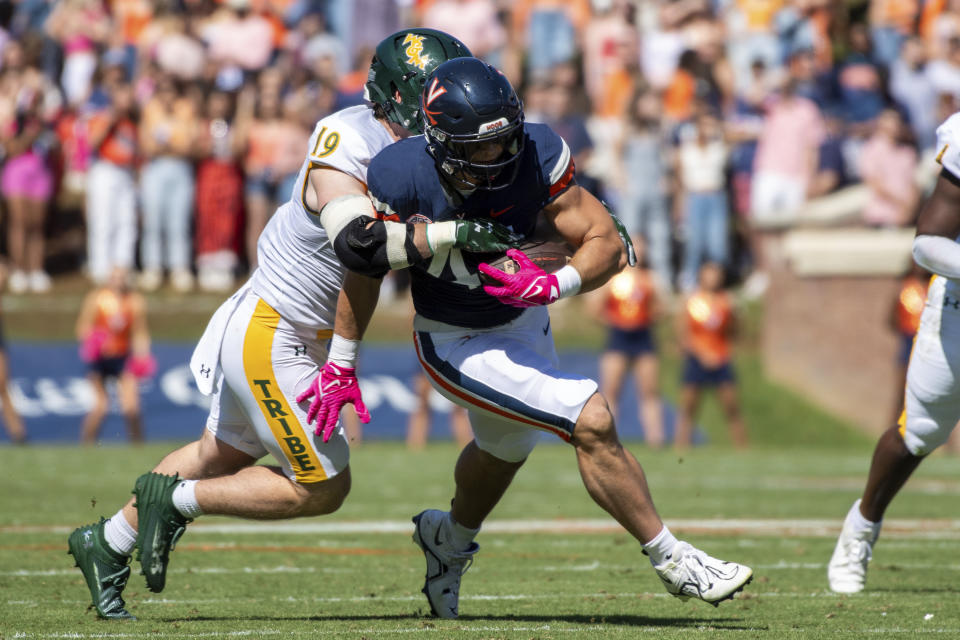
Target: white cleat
{"x": 691, "y": 573}
{"x": 444, "y": 564}
{"x": 847, "y": 571}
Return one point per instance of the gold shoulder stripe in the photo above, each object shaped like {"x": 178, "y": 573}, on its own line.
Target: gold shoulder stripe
{"x": 940, "y": 155}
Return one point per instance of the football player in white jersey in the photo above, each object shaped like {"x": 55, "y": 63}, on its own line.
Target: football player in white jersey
{"x": 932, "y": 397}
{"x": 262, "y": 347}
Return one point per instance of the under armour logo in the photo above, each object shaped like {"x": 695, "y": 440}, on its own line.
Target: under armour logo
{"x": 204, "y": 371}
{"x": 952, "y": 302}
{"x": 300, "y": 350}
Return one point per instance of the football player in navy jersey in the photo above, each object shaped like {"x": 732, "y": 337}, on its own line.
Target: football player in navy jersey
{"x": 488, "y": 347}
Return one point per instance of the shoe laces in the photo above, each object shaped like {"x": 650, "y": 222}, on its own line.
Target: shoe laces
{"x": 117, "y": 579}
{"x": 461, "y": 560}
{"x": 859, "y": 550}
{"x": 694, "y": 563}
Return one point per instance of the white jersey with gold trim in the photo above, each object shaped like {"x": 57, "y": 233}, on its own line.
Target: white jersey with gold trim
{"x": 299, "y": 274}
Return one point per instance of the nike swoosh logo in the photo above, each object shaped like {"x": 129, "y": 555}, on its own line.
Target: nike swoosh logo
{"x": 497, "y": 214}
{"x": 546, "y": 329}
{"x": 436, "y": 538}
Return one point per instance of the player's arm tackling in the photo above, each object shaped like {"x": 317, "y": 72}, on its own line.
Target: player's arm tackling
{"x": 367, "y": 243}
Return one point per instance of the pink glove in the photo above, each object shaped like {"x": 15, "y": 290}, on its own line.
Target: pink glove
{"x": 91, "y": 346}
{"x": 530, "y": 286}
{"x": 334, "y": 387}
{"x": 142, "y": 366}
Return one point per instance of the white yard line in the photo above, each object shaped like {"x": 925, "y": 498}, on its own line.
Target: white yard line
{"x": 936, "y": 528}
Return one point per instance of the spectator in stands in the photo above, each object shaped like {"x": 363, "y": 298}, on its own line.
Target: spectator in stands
{"x": 27, "y": 136}
{"x": 781, "y": 179}
{"x": 629, "y": 307}
{"x": 701, "y": 163}
{"x": 111, "y": 185}
{"x": 911, "y": 88}
{"x": 80, "y": 26}
{"x": 831, "y": 171}
{"x": 610, "y": 56}
{"x": 219, "y": 218}
{"x": 176, "y": 51}
{"x": 859, "y": 81}
{"x": 944, "y": 73}
{"x": 890, "y": 23}
{"x": 551, "y": 30}
{"x": 753, "y": 39}
{"x": 12, "y": 421}
{"x": 274, "y": 142}
{"x": 475, "y": 22}
{"x": 115, "y": 344}
{"x": 904, "y": 321}
{"x": 237, "y": 36}
{"x": 168, "y": 131}
{"x": 706, "y": 328}
{"x": 643, "y": 207}
{"x": 887, "y": 166}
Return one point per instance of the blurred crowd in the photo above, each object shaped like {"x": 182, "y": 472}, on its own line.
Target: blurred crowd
{"x": 159, "y": 135}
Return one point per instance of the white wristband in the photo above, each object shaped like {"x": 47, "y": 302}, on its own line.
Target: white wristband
{"x": 441, "y": 235}
{"x": 343, "y": 351}
{"x": 568, "y": 280}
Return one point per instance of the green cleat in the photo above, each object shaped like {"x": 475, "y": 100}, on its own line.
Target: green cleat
{"x": 105, "y": 570}
{"x": 161, "y": 525}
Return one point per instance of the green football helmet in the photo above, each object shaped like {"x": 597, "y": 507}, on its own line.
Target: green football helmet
{"x": 400, "y": 67}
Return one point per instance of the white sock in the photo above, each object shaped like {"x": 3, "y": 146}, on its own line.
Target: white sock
{"x": 460, "y": 535}
{"x": 185, "y": 499}
{"x": 660, "y": 549}
{"x": 859, "y": 524}
{"x": 118, "y": 533}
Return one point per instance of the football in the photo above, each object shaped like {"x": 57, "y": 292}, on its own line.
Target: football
{"x": 549, "y": 255}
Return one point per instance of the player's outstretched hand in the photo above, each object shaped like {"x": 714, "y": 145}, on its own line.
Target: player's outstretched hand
{"x": 484, "y": 236}
{"x": 530, "y": 286}
{"x": 334, "y": 387}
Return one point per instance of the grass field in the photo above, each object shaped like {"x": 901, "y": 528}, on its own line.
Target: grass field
{"x": 357, "y": 575}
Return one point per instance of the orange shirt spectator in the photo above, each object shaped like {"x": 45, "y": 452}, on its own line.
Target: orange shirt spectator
{"x": 132, "y": 16}
{"x": 119, "y": 145}
{"x": 168, "y": 131}
{"x": 759, "y": 14}
{"x": 630, "y": 300}
{"x": 709, "y": 319}
{"x": 113, "y": 318}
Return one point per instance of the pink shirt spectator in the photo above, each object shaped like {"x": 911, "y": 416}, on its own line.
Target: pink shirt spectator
{"x": 247, "y": 43}
{"x": 792, "y": 131}
{"x": 888, "y": 170}
{"x": 474, "y": 22}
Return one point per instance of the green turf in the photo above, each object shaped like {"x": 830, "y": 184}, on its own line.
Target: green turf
{"x": 229, "y": 583}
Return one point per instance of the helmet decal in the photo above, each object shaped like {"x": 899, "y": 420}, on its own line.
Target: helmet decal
{"x": 487, "y": 127}
{"x": 414, "y": 51}
{"x": 432, "y": 94}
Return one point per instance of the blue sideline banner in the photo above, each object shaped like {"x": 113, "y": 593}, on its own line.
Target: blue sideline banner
{"x": 49, "y": 388}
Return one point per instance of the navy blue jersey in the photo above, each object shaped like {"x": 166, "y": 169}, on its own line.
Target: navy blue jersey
{"x": 406, "y": 187}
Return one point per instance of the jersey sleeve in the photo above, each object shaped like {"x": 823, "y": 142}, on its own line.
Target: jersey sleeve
{"x": 948, "y": 145}
{"x": 556, "y": 161}
{"x": 335, "y": 144}
{"x": 390, "y": 186}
